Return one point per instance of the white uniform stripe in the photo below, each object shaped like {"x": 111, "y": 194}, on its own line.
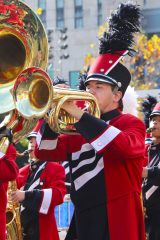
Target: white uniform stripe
{"x": 83, "y": 163}
{"x": 105, "y": 138}
{"x": 115, "y": 63}
{"x": 85, "y": 148}
{"x": 66, "y": 170}
{"x": 22, "y": 208}
{"x": 65, "y": 163}
{"x": 48, "y": 144}
{"x": 46, "y": 202}
{"x": 151, "y": 191}
{"x": 38, "y": 138}
{"x": 83, "y": 179}
{"x": 34, "y": 184}
{"x": 1, "y": 154}
{"x": 39, "y": 169}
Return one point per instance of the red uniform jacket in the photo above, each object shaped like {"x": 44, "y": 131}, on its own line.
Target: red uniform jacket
{"x": 121, "y": 143}
{"x": 8, "y": 172}
{"x": 52, "y": 180}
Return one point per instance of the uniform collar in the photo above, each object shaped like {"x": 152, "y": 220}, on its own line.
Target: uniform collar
{"x": 109, "y": 115}
{"x": 155, "y": 146}
{"x": 35, "y": 165}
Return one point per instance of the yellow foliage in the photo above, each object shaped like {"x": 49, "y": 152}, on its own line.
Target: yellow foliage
{"x": 146, "y": 70}
{"x": 39, "y": 11}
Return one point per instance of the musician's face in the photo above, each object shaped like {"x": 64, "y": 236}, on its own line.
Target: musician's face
{"x": 106, "y": 97}
{"x": 155, "y": 126}
{"x": 32, "y": 143}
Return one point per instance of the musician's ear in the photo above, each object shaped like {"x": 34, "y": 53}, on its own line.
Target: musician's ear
{"x": 117, "y": 96}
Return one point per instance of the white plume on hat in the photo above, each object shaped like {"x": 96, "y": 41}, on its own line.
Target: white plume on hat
{"x": 130, "y": 101}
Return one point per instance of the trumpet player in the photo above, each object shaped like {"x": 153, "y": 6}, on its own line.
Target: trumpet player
{"x": 8, "y": 172}
{"x": 151, "y": 175}
{"x": 41, "y": 187}
{"x": 106, "y": 157}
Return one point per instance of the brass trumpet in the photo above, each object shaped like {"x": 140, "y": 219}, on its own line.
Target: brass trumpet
{"x": 35, "y": 98}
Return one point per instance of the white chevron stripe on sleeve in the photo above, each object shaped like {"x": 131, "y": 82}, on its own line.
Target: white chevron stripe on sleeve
{"x": 82, "y": 163}
{"x": 105, "y": 138}
{"x": 66, "y": 170}
{"x": 151, "y": 191}
{"x": 48, "y": 144}
{"x": 47, "y": 197}
{"x": 83, "y": 179}
{"x": 85, "y": 147}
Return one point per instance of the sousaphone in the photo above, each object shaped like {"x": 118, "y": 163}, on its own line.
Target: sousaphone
{"x": 23, "y": 43}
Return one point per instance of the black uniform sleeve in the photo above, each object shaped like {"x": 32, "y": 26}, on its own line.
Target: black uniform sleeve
{"x": 154, "y": 175}
{"x": 33, "y": 200}
{"x": 47, "y": 132}
{"x": 90, "y": 127}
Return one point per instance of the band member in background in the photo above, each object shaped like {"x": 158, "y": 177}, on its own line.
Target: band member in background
{"x": 151, "y": 175}
{"x": 8, "y": 172}
{"x": 106, "y": 157}
{"x": 62, "y": 83}
{"x": 41, "y": 187}
{"x": 147, "y": 107}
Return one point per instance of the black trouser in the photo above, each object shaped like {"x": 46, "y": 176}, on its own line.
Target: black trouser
{"x": 153, "y": 225}
{"x": 90, "y": 224}
{"x": 30, "y": 226}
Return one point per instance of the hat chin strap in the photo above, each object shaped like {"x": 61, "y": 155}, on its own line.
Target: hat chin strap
{"x": 103, "y": 78}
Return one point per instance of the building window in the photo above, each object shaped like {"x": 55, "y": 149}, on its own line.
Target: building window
{"x": 73, "y": 79}
{"x": 78, "y": 9}
{"x": 42, "y": 8}
{"x": 60, "y": 14}
{"x": 99, "y": 12}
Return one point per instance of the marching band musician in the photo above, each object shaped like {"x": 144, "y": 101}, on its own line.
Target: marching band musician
{"x": 106, "y": 157}
{"x": 8, "y": 172}
{"x": 41, "y": 187}
{"x": 151, "y": 175}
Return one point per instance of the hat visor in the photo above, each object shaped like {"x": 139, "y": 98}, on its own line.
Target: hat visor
{"x": 156, "y": 113}
{"x": 101, "y": 78}
{"x": 31, "y": 135}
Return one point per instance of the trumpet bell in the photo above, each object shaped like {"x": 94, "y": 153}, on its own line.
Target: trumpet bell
{"x": 32, "y": 93}
{"x": 23, "y": 43}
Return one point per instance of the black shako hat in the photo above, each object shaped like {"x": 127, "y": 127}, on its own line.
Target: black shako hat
{"x": 156, "y": 110}
{"x": 147, "y": 109}
{"x": 114, "y": 45}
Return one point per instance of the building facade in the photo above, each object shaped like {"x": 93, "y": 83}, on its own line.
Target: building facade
{"x": 72, "y": 28}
